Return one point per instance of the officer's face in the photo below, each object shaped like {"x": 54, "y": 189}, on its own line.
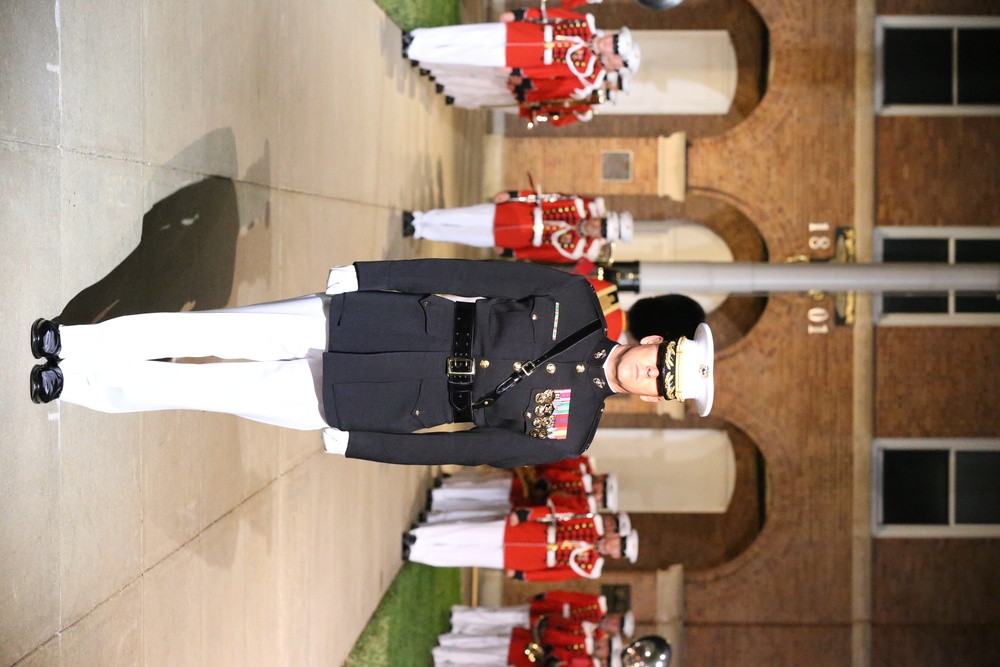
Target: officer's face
{"x": 635, "y": 371}
{"x": 610, "y": 545}
{"x": 605, "y": 45}
{"x": 591, "y": 227}
{"x": 612, "y": 61}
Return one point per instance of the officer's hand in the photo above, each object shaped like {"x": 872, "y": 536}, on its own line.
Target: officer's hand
{"x": 513, "y": 520}
{"x": 335, "y": 440}
{"x": 506, "y": 17}
{"x": 342, "y": 279}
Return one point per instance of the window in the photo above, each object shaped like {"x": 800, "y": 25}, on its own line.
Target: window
{"x": 955, "y": 245}
{"x": 616, "y": 166}
{"x": 937, "y": 65}
{"x": 936, "y": 488}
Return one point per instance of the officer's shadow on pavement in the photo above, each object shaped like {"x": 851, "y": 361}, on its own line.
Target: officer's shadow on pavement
{"x": 186, "y": 256}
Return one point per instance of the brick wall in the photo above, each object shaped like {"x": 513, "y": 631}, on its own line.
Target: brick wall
{"x": 933, "y": 382}
{"x": 920, "y": 159}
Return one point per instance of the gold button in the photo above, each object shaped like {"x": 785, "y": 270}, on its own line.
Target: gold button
{"x": 550, "y": 368}
{"x": 484, "y": 363}
{"x": 580, "y": 368}
{"x": 517, "y": 365}
{"x": 529, "y": 415}
{"x": 534, "y": 317}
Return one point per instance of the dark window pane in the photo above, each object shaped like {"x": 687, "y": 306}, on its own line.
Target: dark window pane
{"x": 977, "y": 487}
{"x": 915, "y": 486}
{"x": 898, "y": 303}
{"x": 979, "y": 66}
{"x": 976, "y": 303}
{"x": 915, "y": 250}
{"x": 918, "y": 66}
{"x": 977, "y": 251}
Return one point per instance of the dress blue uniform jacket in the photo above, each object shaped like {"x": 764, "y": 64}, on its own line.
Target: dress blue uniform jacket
{"x": 384, "y": 372}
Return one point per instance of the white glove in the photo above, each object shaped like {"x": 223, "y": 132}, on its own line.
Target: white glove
{"x": 335, "y": 440}
{"x": 342, "y": 279}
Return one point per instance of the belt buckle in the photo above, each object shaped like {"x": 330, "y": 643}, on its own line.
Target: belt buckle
{"x": 461, "y": 370}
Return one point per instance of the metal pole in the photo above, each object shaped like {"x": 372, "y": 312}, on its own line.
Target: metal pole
{"x": 757, "y": 278}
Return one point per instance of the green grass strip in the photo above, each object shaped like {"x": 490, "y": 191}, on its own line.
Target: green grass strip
{"x": 410, "y": 14}
{"x": 411, "y": 615}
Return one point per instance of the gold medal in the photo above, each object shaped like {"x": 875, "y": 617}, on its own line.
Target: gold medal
{"x": 545, "y": 397}
{"x": 544, "y": 410}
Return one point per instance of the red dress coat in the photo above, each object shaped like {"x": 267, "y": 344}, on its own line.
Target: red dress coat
{"x": 579, "y": 607}
{"x": 560, "y": 48}
{"x": 566, "y": 489}
{"x": 518, "y": 225}
{"x": 553, "y": 550}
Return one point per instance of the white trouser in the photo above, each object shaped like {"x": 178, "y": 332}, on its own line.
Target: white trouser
{"x": 452, "y": 499}
{"x": 488, "y": 656}
{"x": 470, "y": 225}
{"x": 107, "y": 366}
{"x": 467, "y": 475}
{"x": 488, "y": 620}
{"x": 479, "y": 44}
{"x": 464, "y": 544}
{"x": 452, "y": 640}
{"x": 489, "y": 514}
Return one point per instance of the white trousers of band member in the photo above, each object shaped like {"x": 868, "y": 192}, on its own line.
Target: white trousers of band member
{"x": 469, "y": 225}
{"x": 488, "y": 621}
{"x": 480, "y": 652}
{"x": 478, "y": 44}
{"x": 488, "y": 494}
{"x": 108, "y": 366}
{"x": 492, "y": 514}
{"x": 463, "y": 544}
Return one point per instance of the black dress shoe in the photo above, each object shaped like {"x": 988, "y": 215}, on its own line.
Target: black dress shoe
{"x": 408, "y": 228}
{"x": 438, "y": 88}
{"x": 449, "y": 100}
{"x": 45, "y": 339}
{"x": 429, "y": 505}
{"x": 409, "y": 539}
{"x": 46, "y": 383}
{"x": 425, "y": 72}
{"x": 407, "y": 40}
{"x": 422, "y": 517}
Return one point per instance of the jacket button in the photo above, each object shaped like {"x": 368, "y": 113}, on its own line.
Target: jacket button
{"x": 517, "y": 365}
{"x": 484, "y": 363}
{"x": 425, "y": 303}
{"x": 416, "y": 412}
{"x": 580, "y": 368}
{"x": 534, "y": 316}
{"x": 550, "y": 368}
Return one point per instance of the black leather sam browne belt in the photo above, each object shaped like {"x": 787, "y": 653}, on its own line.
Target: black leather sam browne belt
{"x": 461, "y": 367}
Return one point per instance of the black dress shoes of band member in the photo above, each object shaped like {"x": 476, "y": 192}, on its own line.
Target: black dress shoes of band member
{"x": 46, "y": 382}
{"x": 408, "y": 228}
{"x": 45, "y": 339}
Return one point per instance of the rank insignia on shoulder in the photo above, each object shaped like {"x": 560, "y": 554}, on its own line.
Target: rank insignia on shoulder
{"x": 550, "y": 418}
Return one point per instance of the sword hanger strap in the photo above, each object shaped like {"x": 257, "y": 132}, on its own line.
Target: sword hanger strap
{"x": 529, "y": 368}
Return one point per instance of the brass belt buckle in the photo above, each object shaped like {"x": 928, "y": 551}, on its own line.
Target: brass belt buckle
{"x": 461, "y": 370}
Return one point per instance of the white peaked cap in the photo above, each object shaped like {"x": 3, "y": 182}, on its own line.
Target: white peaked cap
{"x": 696, "y": 369}
{"x": 624, "y": 523}
{"x": 632, "y": 546}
